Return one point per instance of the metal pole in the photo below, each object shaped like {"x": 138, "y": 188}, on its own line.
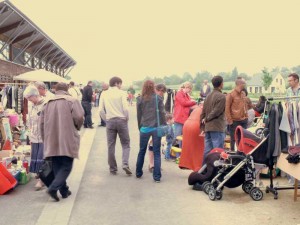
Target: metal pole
{"x": 6, "y": 18}
{"x": 36, "y": 51}
{"x": 24, "y": 48}
{"x": 51, "y": 59}
{"x": 43, "y": 57}
{"x": 10, "y": 41}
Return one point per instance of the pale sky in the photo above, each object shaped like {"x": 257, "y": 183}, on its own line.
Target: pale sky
{"x": 135, "y": 38}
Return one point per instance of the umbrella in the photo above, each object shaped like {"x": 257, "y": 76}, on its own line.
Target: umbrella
{"x": 40, "y": 75}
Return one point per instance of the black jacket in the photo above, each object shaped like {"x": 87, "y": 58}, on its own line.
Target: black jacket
{"x": 87, "y": 94}
{"x": 146, "y": 112}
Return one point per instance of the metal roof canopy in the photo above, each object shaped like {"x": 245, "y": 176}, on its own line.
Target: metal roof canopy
{"x": 19, "y": 31}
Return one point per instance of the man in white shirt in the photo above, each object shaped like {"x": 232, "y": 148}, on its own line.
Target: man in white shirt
{"x": 74, "y": 91}
{"x": 113, "y": 108}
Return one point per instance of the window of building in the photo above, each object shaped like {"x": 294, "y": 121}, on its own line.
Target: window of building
{"x": 250, "y": 89}
{"x": 272, "y": 89}
{"x": 280, "y": 81}
{"x": 256, "y": 89}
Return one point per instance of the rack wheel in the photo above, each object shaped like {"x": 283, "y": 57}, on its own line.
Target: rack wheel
{"x": 247, "y": 186}
{"x": 219, "y": 195}
{"x": 212, "y": 194}
{"x": 256, "y": 194}
{"x": 267, "y": 191}
{"x": 275, "y": 196}
{"x": 205, "y": 187}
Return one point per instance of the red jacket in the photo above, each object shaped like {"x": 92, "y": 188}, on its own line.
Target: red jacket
{"x": 182, "y": 106}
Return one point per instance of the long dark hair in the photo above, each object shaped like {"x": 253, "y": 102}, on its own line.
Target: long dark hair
{"x": 148, "y": 89}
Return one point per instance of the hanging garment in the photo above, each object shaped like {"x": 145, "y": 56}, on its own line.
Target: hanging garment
{"x": 13, "y": 94}
{"x": 9, "y": 97}
{"x": 283, "y": 134}
{"x": 20, "y": 102}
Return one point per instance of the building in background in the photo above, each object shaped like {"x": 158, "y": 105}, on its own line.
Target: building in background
{"x": 278, "y": 86}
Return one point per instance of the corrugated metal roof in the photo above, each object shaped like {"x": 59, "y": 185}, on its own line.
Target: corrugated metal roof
{"x": 18, "y": 30}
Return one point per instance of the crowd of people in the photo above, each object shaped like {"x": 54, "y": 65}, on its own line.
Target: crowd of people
{"x": 70, "y": 108}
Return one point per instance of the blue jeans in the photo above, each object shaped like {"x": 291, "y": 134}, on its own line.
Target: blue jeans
{"x": 168, "y": 149}
{"x": 178, "y": 131}
{"x": 144, "y": 139}
{"x": 213, "y": 139}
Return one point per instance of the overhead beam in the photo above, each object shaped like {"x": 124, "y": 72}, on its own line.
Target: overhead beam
{"x": 56, "y": 56}
{"x": 23, "y": 36}
{"x": 3, "y": 9}
{"x": 36, "y": 43}
{"x": 10, "y": 27}
{"x": 45, "y": 48}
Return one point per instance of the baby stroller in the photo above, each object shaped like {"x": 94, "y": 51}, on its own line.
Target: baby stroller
{"x": 238, "y": 168}
{"x": 207, "y": 172}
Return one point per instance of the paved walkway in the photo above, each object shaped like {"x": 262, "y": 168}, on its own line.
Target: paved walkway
{"x": 100, "y": 198}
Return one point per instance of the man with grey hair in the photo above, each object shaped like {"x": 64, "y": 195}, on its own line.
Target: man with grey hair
{"x": 43, "y": 90}
{"x": 61, "y": 119}
{"x": 236, "y": 109}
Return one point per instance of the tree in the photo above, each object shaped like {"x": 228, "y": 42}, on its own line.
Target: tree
{"x": 245, "y": 76}
{"x": 285, "y": 72}
{"x": 68, "y": 77}
{"x": 175, "y": 79}
{"x": 234, "y": 74}
{"x": 187, "y": 77}
{"x": 296, "y": 69}
{"x": 266, "y": 78}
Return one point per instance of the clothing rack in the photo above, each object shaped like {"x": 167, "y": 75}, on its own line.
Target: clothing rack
{"x": 15, "y": 83}
{"x": 271, "y": 188}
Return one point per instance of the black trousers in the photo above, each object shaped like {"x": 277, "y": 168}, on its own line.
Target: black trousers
{"x": 232, "y": 128}
{"x": 62, "y": 166}
{"x": 87, "y": 107}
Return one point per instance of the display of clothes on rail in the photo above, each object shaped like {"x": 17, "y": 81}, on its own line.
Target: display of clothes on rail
{"x": 283, "y": 123}
{"x": 12, "y": 97}
{"x": 169, "y": 105}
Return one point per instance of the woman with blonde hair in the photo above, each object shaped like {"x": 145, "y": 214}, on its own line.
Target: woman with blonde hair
{"x": 182, "y": 106}
{"x": 147, "y": 106}
{"x": 32, "y": 94}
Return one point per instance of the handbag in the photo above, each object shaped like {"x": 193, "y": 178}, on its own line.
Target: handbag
{"x": 161, "y": 130}
{"x": 45, "y": 172}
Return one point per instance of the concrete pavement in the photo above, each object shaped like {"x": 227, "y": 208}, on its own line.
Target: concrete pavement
{"x": 100, "y": 198}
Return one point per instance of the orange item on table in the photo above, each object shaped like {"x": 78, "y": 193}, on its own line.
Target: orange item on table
{"x": 193, "y": 143}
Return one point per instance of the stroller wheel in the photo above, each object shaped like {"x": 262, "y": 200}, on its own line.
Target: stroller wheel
{"x": 256, "y": 194}
{"x": 206, "y": 186}
{"x": 219, "y": 195}
{"x": 212, "y": 194}
{"x": 247, "y": 186}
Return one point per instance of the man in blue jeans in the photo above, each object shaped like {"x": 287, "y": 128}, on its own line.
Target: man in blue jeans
{"x": 213, "y": 116}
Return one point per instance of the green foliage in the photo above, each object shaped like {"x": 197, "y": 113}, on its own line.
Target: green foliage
{"x": 234, "y": 74}
{"x": 68, "y": 77}
{"x": 228, "y": 86}
{"x": 187, "y": 77}
{"x": 266, "y": 78}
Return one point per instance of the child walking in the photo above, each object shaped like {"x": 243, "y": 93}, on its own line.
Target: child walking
{"x": 169, "y": 136}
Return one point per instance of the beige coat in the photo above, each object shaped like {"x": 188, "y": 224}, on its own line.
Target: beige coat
{"x": 34, "y": 115}
{"x": 60, "y": 121}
